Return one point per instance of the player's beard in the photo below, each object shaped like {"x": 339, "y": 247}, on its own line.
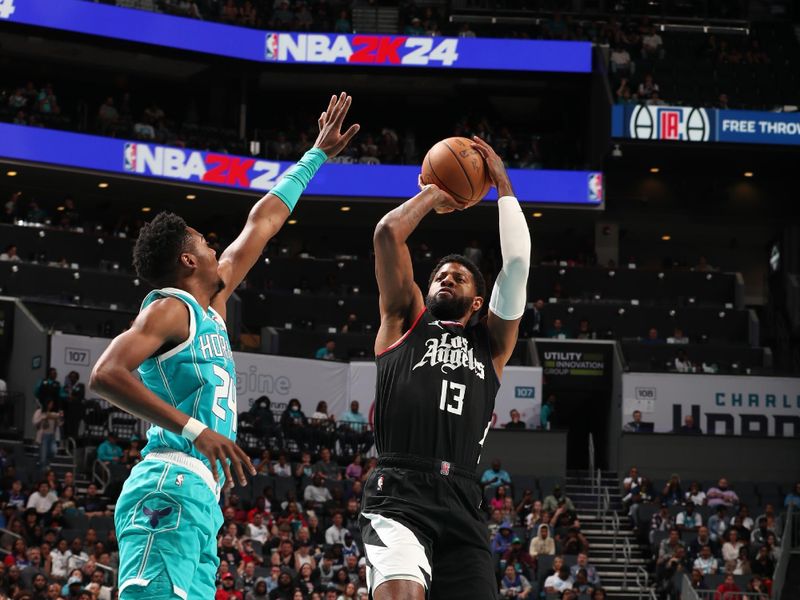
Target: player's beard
{"x": 450, "y": 308}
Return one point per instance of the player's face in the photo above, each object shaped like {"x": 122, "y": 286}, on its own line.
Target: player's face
{"x": 206, "y": 256}
{"x": 452, "y": 295}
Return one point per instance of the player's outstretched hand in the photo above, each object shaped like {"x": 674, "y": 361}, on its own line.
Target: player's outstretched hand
{"x": 216, "y": 447}
{"x": 497, "y": 170}
{"x": 445, "y": 203}
{"x": 331, "y": 140}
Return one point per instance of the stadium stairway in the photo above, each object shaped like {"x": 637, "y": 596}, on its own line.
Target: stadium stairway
{"x": 607, "y": 551}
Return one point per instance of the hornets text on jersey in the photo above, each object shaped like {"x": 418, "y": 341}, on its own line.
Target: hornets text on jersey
{"x": 197, "y": 377}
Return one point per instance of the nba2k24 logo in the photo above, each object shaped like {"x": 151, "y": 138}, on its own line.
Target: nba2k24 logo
{"x": 451, "y": 352}
{"x": 676, "y": 123}
{"x": 360, "y": 49}
{"x": 6, "y": 9}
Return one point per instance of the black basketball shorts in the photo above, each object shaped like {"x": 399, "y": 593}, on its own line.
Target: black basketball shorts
{"x": 421, "y": 521}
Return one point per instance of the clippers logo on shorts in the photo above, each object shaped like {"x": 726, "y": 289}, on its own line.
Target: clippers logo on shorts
{"x": 380, "y": 483}
{"x": 673, "y": 123}
{"x": 157, "y": 512}
{"x": 445, "y": 469}
{"x": 595, "y": 186}
{"x": 451, "y": 352}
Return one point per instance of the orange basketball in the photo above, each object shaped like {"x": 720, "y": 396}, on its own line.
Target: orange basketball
{"x": 457, "y": 168}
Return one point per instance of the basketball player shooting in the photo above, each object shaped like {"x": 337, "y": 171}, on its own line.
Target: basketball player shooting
{"x": 168, "y": 514}
{"x": 438, "y": 375}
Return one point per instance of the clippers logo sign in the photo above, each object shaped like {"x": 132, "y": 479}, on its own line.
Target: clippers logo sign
{"x": 383, "y": 50}
{"x": 205, "y": 167}
{"x": 675, "y": 123}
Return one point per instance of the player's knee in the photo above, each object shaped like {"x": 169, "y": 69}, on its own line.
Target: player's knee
{"x": 399, "y": 589}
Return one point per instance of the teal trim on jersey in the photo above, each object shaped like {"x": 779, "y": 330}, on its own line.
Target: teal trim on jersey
{"x": 198, "y": 377}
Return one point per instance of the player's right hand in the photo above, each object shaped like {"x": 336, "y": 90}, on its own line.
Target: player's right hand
{"x": 216, "y": 447}
{"x": 444, "y": 202}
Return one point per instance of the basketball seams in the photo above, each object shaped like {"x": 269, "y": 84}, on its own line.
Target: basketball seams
{"x": 463, "y": 170}
{"x": 441, "y": 183}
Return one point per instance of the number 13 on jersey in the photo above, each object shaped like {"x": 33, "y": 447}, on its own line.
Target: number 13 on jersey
{"x": 454, "y": 402}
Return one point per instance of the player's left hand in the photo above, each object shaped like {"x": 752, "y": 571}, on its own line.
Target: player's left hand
{"x": 331, "y": 140}
{"x": 497, "y": 170}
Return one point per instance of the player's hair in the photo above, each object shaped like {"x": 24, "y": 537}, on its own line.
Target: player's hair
{"x": 477, "y": 276}
{"x": 160, "y": 243}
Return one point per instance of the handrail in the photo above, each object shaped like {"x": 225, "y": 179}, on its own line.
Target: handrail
{"x": 103, "y": 478}
{"x": 789, "y": 542}
{"x": 626, "y": 559}
{"x": 70, "y": 446}
{"x": 644, "y": 587}
{"x": 605, "y": 505}
{"x": 615, "y": 525}
{"x": 598, "y": 484}
{"x": 97, "y": 565}
{"x": 11, "y": 533}
{"x": 687, "y": 591}
{"x": 591, "y": 463}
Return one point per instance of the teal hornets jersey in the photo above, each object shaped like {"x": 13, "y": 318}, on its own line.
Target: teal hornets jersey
{"x": 198, "y": 377}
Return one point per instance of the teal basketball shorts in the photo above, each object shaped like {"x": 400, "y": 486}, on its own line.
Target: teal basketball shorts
{"x": 167, "y": 519}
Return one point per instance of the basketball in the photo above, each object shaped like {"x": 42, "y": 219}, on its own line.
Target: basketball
{"x": 457, "y": 168}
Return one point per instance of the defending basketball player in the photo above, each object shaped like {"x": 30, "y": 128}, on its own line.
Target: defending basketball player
{"x": 439, "y": 371}
{"x": 168, "y": 515}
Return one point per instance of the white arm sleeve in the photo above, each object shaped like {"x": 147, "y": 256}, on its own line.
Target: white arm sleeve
{"x": 509, "y": 292}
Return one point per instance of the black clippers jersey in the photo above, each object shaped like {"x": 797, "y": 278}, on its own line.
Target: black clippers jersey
{"x": 435, "y": 393}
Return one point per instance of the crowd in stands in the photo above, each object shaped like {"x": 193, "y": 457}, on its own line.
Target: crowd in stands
{"x": 707, "y": 534}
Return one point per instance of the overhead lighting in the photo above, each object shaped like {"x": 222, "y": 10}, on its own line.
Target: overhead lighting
{"x": 146, "y": 209}
{"x": 537, "y": 215}
{"x": 292, "y": 221}
{"x": 11, "y": 173}
{"x": 190, "y": 196}
{"x": 102, "y": 185}
{"x": 748, "y": 173}
{"x": 654, "y": 169}
{"x": 344, "y": 208}
{"x": 60, "y": 209}
{"x": 666, "y": 237}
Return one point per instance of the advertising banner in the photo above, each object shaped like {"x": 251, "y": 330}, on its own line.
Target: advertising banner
{"x": 521, "y": 389}
{"x": 720, "y": 404}
{"x": 690, "y": 124}
{"x": 576, "y": 364}
{"x": 194, "y": 35}
{"x": 247, "y": 173}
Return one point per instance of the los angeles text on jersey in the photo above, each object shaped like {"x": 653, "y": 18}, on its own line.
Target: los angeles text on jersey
{"x": 361, "y": 49}
{"x": 207, "y": 167}
{"x": 451, "y": 352}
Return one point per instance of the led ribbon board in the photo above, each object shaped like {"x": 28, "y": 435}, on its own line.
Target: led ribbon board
{"x": 146, "y": 27}
{"x": 137, "y": 159}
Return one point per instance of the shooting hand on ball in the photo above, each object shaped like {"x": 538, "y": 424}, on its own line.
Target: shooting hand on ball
{"x": 497, "y": 170}
{"x": 444, "y": 202}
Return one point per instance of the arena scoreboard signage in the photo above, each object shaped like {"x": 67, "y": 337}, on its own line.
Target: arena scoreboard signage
{"x": 80, "y": 16}
{"x": 137, "y": 159}
{"x": 690, "y": 124}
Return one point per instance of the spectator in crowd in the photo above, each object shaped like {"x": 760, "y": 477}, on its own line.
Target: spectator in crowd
{"x": 652, "y": 336}
{"x": 546, "y": 416}
{"x": 557, "y": 331}
{"x": 677, "y": 337}
{"x": 93, "y": 504}
{"x": 730, "y": 549}
{"x": 10, "y": 254}
{"x": 718, "y": 523}
{"x": 294, "y": 424}
{"x": 575, "y": 542}
{"x": 495, "y": 476}
{"x": 49, "y": 389}
{"x": 326, "y": 467}
{"x": 722, "y": 495}
{"x": 501, "y": 541}
{"x": 582, "y": 564}
{"x": 743, "y": 566}
{"x": 316, "y": 494}
{"x": 342, "y": 24}
{"x": 327, "y": 351}
{"x": 683, "y": 363}
{"x": 793, "y": 497}
{"x": 705, "y": 562}
{"x": 47, "y": 422}
{"x": 517, "y": 555}
{"x": 109, "y": 451}
{"x": 634, "y": 426}
{"x": 647, "y": 88}
{"x": 335, "y": 534}
{"x": 73, "y": 394}
{"x": 763, "y": 564}
{"x": 672, "y": 492}
{"x": 585, "y": 332}
{"x": 515, "y": 422}
{"x": 688, "y": 519}
{"x": 107, "y": 116}
{"x": 355, "y": 469}
{"x": 42, "y": 499}
{"x": 652, "y": 45}
{"x": 703, "y": 539}
{"x": 670, "y": 544}
{"x": 689, "y": 427}
{"x": 352, "y": 325}
{"x": 513, "y": 584}
{"x": 560, "y": 581}
{"x": 556, "y": 499}
{"x": 695, "y": 495}
{"x": 728, "y": 588}
{"x": 773, "y": 521}
{"x": 621, "y": 63}
{"x": 758, "y": 588}
{"x": 354, "y": 428}
{"x": 542, "y": 543}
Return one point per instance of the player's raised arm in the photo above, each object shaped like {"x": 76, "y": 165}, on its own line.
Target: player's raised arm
{"x": 507, "y": 303}
{"x": 400, "y": 298}
{"x": 269, "y": 214}
{"x": 163, "y": 323}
